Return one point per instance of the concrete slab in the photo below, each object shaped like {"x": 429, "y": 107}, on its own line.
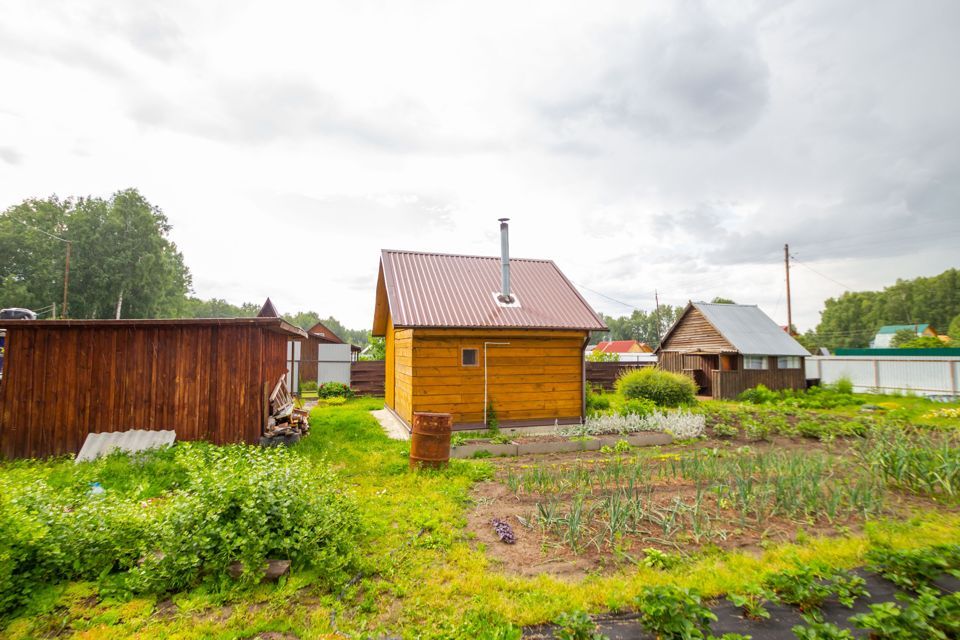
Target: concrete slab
{"x": 391, "y": 424}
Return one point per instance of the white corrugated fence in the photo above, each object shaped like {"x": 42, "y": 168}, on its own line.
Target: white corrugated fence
{"x": 933, "y": 375}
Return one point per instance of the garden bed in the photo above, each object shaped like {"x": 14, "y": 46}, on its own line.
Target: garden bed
{"x": 579, "y": 513}
{"x": 553, "y": 443}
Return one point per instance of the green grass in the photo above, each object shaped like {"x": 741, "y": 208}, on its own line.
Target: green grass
{"x": 422, "y": 575}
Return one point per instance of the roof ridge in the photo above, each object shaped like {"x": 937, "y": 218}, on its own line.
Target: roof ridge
{"x": 462, "y": 255}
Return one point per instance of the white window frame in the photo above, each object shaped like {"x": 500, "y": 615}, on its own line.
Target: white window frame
{"x": 756, "y": 363}
{"x": 788, "y": 362}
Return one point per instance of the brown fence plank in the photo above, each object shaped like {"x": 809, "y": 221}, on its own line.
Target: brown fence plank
{"x": 368, "y": 378}
{"x": 605, "y": 374}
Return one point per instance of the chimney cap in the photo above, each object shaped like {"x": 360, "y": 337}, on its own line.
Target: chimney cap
{"x": 503, "y": 219}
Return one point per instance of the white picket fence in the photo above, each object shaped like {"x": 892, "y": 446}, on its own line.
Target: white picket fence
{"x": 923, "y": 375}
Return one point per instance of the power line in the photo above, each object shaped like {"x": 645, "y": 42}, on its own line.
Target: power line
{"x": 806, "y": 266}
{"x": 46, "y": 233}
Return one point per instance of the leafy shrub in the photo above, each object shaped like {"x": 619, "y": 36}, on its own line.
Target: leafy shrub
{"x": 597, "y": 403}
{"x": 639, "y": 407}
{"x": 309, "y": 386}
{"x": 843, "y": 386}
{"x": 760, "y": 394}
{"x": 915, "y": 568}
{"x": 674, "y": 613}
{"x": 927, "y": 616}
{"x": 724, "y": 430}
{"x": 664, "y": 388}
{"x": 807, "y": 587}
{"x": 331, "y": 389}
{"x": 821, "y": 631}
{"x": 756, "y": 430}
{"x": 225, "y": 504}
{"x": 576, "y": 626}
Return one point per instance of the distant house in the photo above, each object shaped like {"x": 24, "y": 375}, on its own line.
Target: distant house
{"x": 314, "y": 354}
{"x": 728, "y": 348}
{"x": 885, "y": 334}
{"x": 625, "y": 350}
{"x": 467, "y": 332}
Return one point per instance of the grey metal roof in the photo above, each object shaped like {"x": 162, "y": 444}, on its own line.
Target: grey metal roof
{"x": 101, "y": 444}
{"x": 750, "y": 330}
{"x": 441, "y": 290}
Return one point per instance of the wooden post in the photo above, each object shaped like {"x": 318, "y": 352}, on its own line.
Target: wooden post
{"x": 786, "y": 262}
{"x": 66, "y": 281}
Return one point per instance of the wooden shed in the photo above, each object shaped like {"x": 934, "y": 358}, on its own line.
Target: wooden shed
{"x": 466, "y": 332}
{"x": 728, "y": 348}
{"x": 205, "y": 379}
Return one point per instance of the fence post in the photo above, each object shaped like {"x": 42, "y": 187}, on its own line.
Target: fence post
{"x": 876, "y": 374}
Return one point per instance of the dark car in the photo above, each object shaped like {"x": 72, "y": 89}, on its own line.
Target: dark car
{"x": 15, "y": 313}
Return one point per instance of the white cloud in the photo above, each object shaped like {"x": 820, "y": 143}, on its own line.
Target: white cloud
{"x": 672, "y": 146}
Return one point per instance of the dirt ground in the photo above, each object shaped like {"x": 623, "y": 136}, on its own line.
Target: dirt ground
{"x": 536, "y": 552}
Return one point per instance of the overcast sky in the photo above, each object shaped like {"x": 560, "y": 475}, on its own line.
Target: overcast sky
{"x": 642, "y": 146}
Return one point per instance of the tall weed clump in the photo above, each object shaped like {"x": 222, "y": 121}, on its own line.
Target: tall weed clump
{"x": 665, "y": 388}
{"x": 224, "y": 504}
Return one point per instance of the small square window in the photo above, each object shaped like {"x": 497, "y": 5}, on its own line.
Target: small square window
{"x": 469, "y": 357}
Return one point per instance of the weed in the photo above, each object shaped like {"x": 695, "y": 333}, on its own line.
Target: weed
{"x": 674, "y": 613}
{"x": 576, "y": 626}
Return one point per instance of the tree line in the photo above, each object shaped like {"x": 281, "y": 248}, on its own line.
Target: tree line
{"x": 122, "y": 264}
{"x": 852, "y": 320}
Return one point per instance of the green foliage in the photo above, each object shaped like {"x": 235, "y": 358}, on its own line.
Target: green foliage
{"x": 915, "y": 568}
{"x": 807, "y": 587}
{"x": 725, "y": 430}
{"x": 753, "y": 601}
{"x": 334, "y": 389}
{"x": 597, "y": 403}
{"x": 332, "y": 401}
{"x": 928, "y": 616}
{"x": 492, "y": 422}
{"x": 821, "y": 631}
{"x": 576, "y": 626}
{"x": 656, "y": 559}
{"x": 760, "y": 394}
{"x": 901, "y": 337}
{"x": 843, "y": 386}
{"x": 954, "y": 329}
{"x": 309, "y": 386}
{"x": 377, "y": 351}
{"x": 486, "y": 626}
{"x": 673, "y": 613}
{"x": 602, "y": 356}
{"x": 918, "y": 461}
{"x": 120, "y": 248}
{"x": 170, "y": 519}
{"x": 664, "y": 388}
{"x": 638, "y": 407}
{"x": 852, "y": 319}
{"x": 756, "y": 429}
{"x": 926, "y": 342}
{"x": 642, "y": 326}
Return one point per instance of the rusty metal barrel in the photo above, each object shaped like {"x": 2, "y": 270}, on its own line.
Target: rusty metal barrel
{"x": 430, "y": 440}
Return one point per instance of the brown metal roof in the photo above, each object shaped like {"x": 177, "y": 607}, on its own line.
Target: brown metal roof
{"x": 441, "y": 290}
{"x": 271, "y": 324}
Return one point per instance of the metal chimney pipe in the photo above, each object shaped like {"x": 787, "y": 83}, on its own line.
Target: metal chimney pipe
{"x": 505, "y": 261}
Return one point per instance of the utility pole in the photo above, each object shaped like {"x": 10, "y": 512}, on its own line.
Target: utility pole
{"x": 786, "y": 264}
{"x": 66, "y": 280}
{"x": 656, "y": 298}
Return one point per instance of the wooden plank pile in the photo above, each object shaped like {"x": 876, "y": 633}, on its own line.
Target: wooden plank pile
{"x": 286, "y": 423}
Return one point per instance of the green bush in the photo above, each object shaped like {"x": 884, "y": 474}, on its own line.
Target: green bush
{"x": 663, "y": 388}
{"x": 670, "y": 612}
{"x": 760, "y": 394}
{"x": 331, "y": 389}
{"x": 844, "y": 386}
{"x": 209, "y": 507}
{"x": 597, "y": 403}
{"x": 309, "y": 386}
{"x": 638, "y": 407}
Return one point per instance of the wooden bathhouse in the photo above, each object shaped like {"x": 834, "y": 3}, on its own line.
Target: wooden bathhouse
{"x": 206, "y": 379}
{"x": 466, "y": 332}
{"x": 728, "y": 348}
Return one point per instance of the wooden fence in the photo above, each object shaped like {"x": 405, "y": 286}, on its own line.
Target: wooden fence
{"x": 605, "y": 374}
{"x": 368, "y": 378}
